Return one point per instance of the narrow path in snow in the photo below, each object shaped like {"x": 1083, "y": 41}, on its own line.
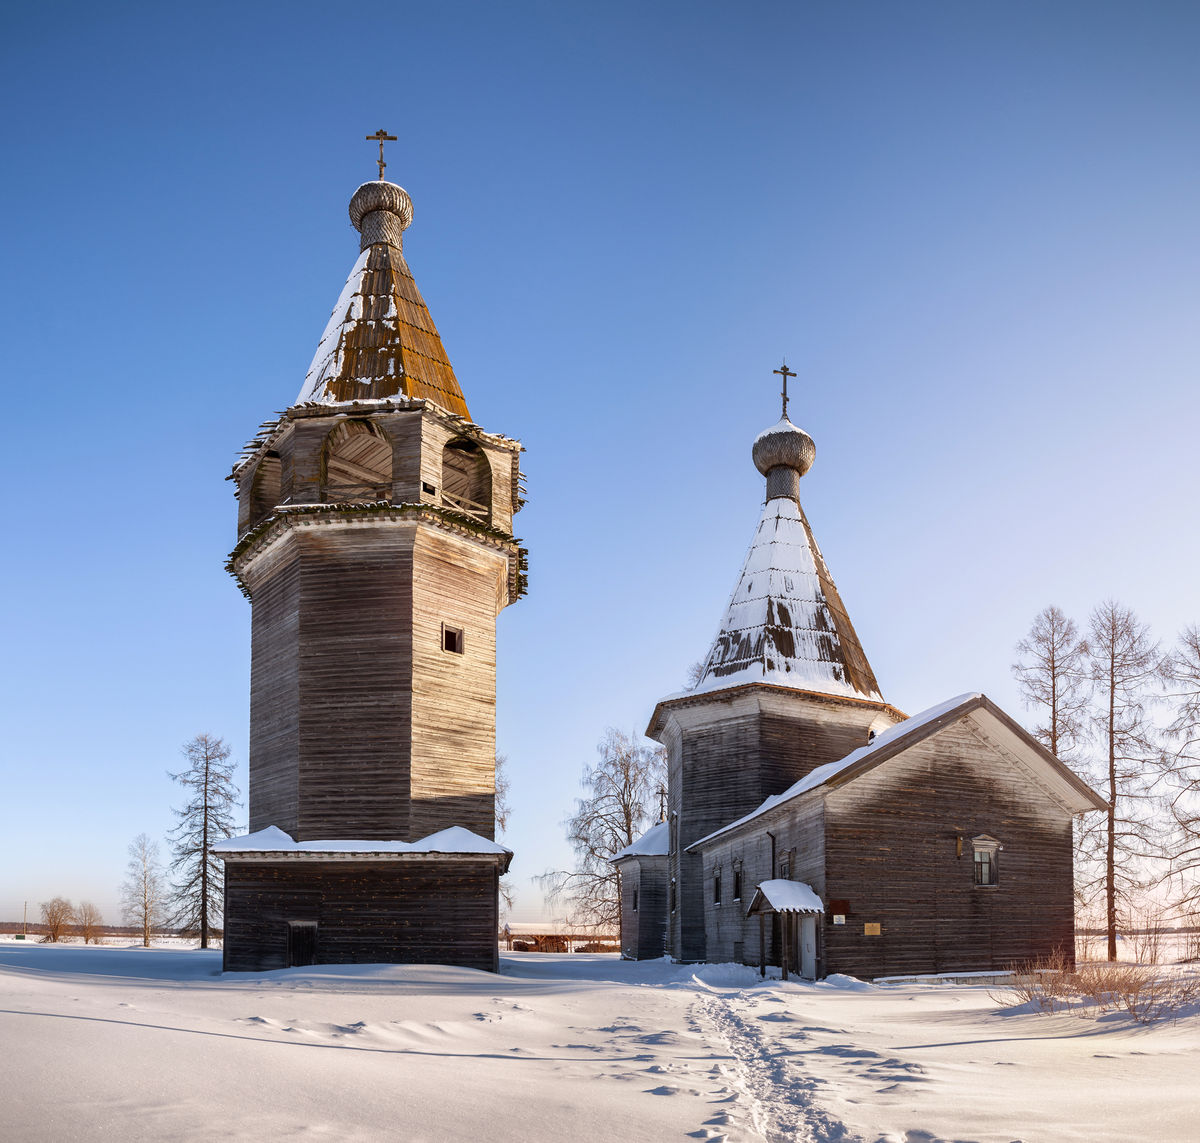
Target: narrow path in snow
{"x": 771, "y": 1094}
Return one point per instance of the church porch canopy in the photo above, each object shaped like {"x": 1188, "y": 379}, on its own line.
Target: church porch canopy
{"x": 780, "y": 895}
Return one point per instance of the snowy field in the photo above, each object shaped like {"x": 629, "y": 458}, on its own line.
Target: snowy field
{"x": 135, "y": 1044}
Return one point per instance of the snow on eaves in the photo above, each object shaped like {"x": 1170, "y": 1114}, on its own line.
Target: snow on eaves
{"x": 654, "y": 842}
{"x": 823, "y": 774}
{"x": 456, "y": 839}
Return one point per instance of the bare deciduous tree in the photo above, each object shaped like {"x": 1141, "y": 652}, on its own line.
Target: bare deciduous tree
{"x": 208, "y": 817}
{"x": 90, "y": 923}
{"x": 144, "y": 891}
{"x": 503, "y": 813}
{"x": 1053, "y": 679}
{"x": 1182, "y": 671}
{"x": 1125, "y": 665}
{"x": 623, "y": 794}
{"x": 57, "y": 914}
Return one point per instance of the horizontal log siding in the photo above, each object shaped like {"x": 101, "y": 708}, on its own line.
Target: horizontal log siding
{"x": 275, "y": 696}
{"x": 643, "y": 932}
{"x": 355, "y": 681}
{"x": 891, "y": 844}
{"x": 799, "y": 840}
{"x": 415, "y": 912}
{"x": 727, "y": 755}
{"x": 456, "y": 582}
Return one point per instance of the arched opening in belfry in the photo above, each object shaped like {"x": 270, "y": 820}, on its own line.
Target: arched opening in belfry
{"x": 467, "y": 479}
{"x": 265, "y": 489}
{"x": 358, "y": 463}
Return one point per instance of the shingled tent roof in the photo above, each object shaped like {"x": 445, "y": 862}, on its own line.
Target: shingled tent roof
{"x": 380, "y": 341}
{"x": 786, "y": 623}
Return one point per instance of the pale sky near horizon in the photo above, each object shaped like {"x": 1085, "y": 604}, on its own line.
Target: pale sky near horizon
{"x": 971, "y": 229}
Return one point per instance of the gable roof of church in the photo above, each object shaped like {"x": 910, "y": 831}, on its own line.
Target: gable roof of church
{"x": 785, "y": 623}
{"x": 1071, "y": 791}
{"x": 380, "y": 341}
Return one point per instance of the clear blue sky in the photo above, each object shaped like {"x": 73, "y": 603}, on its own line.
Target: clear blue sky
{"x": 972, "y": 229}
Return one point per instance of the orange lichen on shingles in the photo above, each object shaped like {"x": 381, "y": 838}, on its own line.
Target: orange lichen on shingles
{"x": 388, "y": 344}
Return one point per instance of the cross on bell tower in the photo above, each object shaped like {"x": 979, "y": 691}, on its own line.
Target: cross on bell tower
{"x": 783, "y": 372}
{"x": 381, "y": 137}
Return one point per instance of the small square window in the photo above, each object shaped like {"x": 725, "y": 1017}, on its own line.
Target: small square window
{"x": 452, "y": 639}
{"x": 428, "y": 489}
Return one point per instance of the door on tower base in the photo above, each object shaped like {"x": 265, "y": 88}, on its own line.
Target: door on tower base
{"x": 301, "y": 943}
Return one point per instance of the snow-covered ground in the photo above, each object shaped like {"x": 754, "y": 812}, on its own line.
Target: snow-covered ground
{"x": 136, "y": 1044}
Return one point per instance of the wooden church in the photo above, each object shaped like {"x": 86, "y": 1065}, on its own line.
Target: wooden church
{"x": 375, "y": 544}
{"x": 812, "y": 825}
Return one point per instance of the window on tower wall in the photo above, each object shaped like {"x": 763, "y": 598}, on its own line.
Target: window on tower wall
{"x": 452, "y": 639}
{"x": 717, "y": 887}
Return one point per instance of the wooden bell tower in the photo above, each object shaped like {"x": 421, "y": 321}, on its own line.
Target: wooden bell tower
{"x": 375, "y": 543}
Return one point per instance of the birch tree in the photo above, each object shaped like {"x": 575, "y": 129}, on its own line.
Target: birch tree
{"x": 624, "y": 789}
{"x": 207, "y": 817}
{"x": 1125, "y": 666}
{"x": 144, "y": 891}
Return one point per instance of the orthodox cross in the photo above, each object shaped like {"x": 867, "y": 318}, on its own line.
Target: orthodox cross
{"x": 381, "y": 136}
{"x": 785, "y": 372}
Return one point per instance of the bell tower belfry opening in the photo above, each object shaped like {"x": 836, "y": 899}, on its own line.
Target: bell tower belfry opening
{"x": 375, "y": 544}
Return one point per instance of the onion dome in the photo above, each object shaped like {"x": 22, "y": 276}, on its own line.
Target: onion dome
{"x": 783, "y": 454}
{"x": 380, "y": 341}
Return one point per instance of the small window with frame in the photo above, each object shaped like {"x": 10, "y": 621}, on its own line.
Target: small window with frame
{"x": 737, "y": 884}
{"x": 717, "y": 887}
{"x": 452, "y": 639}
{"x": 635, "y": 900}
{"x": 986, "y": 872}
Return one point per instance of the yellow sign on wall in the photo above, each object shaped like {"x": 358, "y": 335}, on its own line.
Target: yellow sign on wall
{"x": 871, "y": 929}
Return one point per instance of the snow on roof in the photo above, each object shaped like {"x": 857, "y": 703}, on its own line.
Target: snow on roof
{"x": 456, "y": 839}
{"x": 823, "y": 774}
{"x": 783, "y": 896}
{"x": 785, "y": 623}
{"x": 655, "y": 842}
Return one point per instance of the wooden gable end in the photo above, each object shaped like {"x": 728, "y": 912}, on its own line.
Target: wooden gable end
{"x": 898, "y": 854}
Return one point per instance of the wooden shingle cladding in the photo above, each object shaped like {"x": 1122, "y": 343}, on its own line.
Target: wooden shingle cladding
{"x": 411, "y": 911}
{"x": 729, "y": 750}
{"x": 880, "y": 846}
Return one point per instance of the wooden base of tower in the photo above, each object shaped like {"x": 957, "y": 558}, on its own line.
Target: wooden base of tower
{"x": 331, "y": 910}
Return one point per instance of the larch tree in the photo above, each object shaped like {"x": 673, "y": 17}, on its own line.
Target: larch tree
{"x": 198, "y": 888}
{"x": 624, "y": 790}
{"x": 144, "y": 891}
{"x": 1125, "y": 667}
{"x": 1052, "y": 676}
{"x": 57, "y": 914}
{"x": 1182, "y": 762}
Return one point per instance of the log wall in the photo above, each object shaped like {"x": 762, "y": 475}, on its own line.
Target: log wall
{"x": 403, "y": 912}
{"x": 643, "y": 930}
{"x": 891, "y": 854}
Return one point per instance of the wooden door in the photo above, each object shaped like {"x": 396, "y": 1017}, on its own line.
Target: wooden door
{"x": 302, "y": 943}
